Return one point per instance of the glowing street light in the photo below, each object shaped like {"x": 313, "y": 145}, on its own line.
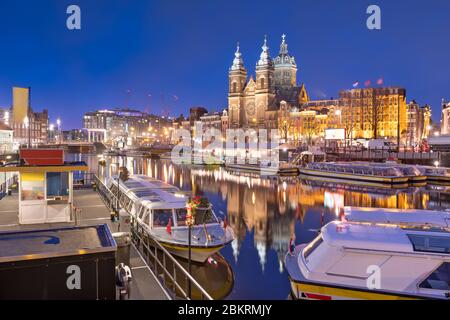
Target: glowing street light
{"x": 436, "y": 164}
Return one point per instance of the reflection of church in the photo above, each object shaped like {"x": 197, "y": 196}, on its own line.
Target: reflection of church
{"x": 257, "y": 209}
{"x": 257, "y": 103}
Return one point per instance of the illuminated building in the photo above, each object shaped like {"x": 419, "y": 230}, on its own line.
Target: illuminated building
{"x": 131, "y": 127}
{"x": 255, "y": 103}
{"x": 29, "y": 127}
{"x": 445, "y": 122}
{"x": 418, "y": 123}
{"x": 374, "y": 113}
{"x": 369, "y": 113}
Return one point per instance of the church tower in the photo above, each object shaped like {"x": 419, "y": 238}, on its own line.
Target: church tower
{"x": 237, "y": 77}
{"x": 285, "y": 67}
{"x": 265, "y": 86}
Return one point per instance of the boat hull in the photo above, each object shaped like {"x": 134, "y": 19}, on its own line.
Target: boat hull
{"x": 311, "y": 291}
{"x": 264, "y": 171}
{"x": 198, "y": 254}
{"x": 305, "y": 289}
{"x": 354, "y": 177}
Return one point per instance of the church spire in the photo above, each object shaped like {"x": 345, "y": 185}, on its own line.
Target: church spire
{"x": 238, "y": 62}
{"x": 265, "y": 55}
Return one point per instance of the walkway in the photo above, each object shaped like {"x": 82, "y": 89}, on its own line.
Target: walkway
{"x": 145, "y": 285}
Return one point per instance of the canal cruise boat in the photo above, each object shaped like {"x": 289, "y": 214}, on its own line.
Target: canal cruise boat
{"x": 375, "y": 254}
{"x": 374, "y": 174}
{"x": 161, "y": 209}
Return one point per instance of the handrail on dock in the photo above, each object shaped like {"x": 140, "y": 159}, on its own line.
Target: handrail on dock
{"x": 155, "y": 260}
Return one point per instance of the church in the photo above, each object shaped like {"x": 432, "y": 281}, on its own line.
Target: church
{"x": 260, "y": 102}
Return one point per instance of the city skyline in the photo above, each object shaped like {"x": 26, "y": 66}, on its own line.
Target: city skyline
{"x": 180, "y": 53}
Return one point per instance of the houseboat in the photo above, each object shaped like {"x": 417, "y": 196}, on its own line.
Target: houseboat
{"x": 376, "y": 254}
{"x": 356, "y": 172}
{"x": 161, "y": 210}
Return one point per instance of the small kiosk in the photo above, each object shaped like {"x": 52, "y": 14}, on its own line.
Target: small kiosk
{"x": 45, "y": 185}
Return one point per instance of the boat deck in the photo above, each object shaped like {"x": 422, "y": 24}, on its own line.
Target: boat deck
{"x": 144, "y": 286}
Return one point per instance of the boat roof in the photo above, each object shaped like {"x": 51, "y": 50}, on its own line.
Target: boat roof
{"x": 382, "y": 238}
{"x": 405, "y": 217}
{"x": 390, "y": 230}
{"x": 153, "y": 193}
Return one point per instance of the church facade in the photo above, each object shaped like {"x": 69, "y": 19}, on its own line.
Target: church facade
{"x": 259, "y": 102}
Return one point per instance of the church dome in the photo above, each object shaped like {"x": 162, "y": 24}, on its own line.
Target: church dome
{"x": 283, "y": 58}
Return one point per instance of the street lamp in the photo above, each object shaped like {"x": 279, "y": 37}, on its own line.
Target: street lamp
{"x": 436, "y": 164}
{"x": 189, "y": 224}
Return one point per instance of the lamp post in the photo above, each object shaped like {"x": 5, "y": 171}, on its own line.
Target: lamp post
{"x": 189, "y": 223}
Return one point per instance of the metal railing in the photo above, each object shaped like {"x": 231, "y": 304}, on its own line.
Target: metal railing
{"x": 171, "y": 274}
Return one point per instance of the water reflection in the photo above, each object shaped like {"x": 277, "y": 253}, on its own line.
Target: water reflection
{"x": 266, "y": 213}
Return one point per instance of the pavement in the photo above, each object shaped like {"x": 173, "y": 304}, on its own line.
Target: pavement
{"x": 144, "y": 286}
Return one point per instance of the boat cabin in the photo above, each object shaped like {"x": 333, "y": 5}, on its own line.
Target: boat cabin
{"x": 155, "y": 203}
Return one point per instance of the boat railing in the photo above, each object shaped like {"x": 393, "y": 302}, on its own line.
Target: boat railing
{"x": 171, "y": 274}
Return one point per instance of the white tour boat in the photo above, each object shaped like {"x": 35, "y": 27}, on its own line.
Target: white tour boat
{"x": 375, "y": 254}
{"x": 161, "y": 210}
{"x": 358, "y": 172}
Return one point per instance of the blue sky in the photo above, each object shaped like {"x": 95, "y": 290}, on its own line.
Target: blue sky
{"x": 184, "y": 48}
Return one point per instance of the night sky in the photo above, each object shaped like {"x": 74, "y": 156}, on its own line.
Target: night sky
{"x": 180, "y": 51}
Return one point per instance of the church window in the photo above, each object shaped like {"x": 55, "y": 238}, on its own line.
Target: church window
{"x": 234, "y": 87}
{"x": 262, "y": 82}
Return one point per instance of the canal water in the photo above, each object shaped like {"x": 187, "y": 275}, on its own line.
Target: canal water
{"x": 266, "y": 213}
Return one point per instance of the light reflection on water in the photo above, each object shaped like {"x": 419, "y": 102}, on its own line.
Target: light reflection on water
{"x": 266, "y": 213}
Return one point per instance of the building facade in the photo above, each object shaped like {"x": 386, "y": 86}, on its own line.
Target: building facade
{"x": 255, "y": 102}
{"x": 374, "y": 113}
{"x": 30, "y": 128}
{"x": 126, "y": 126}
{"x": 445, "y": 121}
{"x": 418, "y": 123}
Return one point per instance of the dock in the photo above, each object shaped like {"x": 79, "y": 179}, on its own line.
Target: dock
{"x": 145, "y": 285}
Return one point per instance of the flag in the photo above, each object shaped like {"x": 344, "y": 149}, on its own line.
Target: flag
{"x": 225, "y": 223}
{"x": 356, "y": 84}
{"x": 169, "y": 227}
{"x": 380, "y": 82}
{"x": 367, "y": 83}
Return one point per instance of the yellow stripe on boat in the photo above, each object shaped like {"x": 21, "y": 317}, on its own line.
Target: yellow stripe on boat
{"x": 347, "y": 293}
{"x": 193, "y": 248}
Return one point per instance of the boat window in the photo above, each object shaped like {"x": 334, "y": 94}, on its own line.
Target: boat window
{"x": 309, "y": 249}
{"x": 439, "y": 279}
{"x": 430, "y": 243}
{"x": 204, "y": 216}
{"x": 161, "y": 217}
{"x": 181, "y": 216}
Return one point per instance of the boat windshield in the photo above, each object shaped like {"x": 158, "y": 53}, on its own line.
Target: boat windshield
{"x": 439, "y": 279}
{"x": 161, "y": 217}
{"x": 201, "y": 216}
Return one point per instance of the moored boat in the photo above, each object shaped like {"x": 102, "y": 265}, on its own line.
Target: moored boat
{"x": 284, "y": 169}
{"x": 162, "y": 209}
{"x": 355, "y": 172}
{"x": 375, "y": 254}
{"x": 437, "y": 175}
